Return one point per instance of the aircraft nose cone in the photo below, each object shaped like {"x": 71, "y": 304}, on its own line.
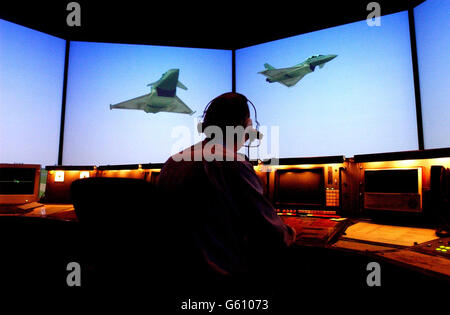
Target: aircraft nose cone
{"x": 331, "y": 57}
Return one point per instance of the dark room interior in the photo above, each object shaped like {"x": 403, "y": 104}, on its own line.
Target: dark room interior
{"x": 337, "y": 193}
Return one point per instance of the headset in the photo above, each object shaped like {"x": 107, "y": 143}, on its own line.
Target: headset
{"x": 253, "y": 133}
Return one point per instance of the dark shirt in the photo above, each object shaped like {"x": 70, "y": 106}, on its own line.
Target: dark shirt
{"x": 220, "y": 210}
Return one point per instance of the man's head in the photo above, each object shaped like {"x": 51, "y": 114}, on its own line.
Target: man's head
{"x": 227, "y": 110}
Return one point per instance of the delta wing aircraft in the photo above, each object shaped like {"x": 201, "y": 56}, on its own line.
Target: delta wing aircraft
{"x": 162, "y": 97}
{"x": 290, "y": 76}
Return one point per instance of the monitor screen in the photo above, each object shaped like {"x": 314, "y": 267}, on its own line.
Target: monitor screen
{"x": 300, "y": 187}
{"x": 17, "y": 181}
{"x": 391, "y": 181}
{"x": 137, "y": 103}
{"x": 432, "y": 26}
{"x": 31, "y": 86}
{"x": 344, "y": 90}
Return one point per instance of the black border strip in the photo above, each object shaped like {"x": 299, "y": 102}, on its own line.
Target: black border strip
{"x": 63, "y": 105}
{"x": 309, "y": 160}
{"x": 412, "y": 36}
{"x": 233, "y": 70}
{"x": 152, "y": 165}
{"x": 144, "y": 166}
{"x": 70, "y": 168}
{"x": 118, "y": 167}
{"x": 403, "y": 155}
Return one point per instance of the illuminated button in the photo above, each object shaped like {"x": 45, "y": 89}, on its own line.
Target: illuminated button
{"x": 438, "y": 249}
{"x": 447, "y": 247}
{"x": 441, "y": 246}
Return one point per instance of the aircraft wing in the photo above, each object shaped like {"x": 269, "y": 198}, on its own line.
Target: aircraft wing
{"x": 276, "y": 72}
{"x": 178, "y": 106}
{"x": 135, "y": 103}
{"x": 292, "y": 81}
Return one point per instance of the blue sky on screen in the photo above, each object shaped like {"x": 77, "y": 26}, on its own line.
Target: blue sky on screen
{"x": 432, "y": 24}
{"x": 360, "y": 102}
{"x": 31, "y": 85}
{"x": 101, "y": 74}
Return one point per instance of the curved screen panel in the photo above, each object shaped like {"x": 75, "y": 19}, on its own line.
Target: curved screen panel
{"x": 433, "y": 45}
{"x": 137, "y": 103}
{"x": 31, "y": 85}
{"x": 345, "y": 90}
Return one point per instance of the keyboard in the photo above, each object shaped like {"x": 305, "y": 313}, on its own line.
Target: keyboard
{"x": 312, "y": 230}
{"x": 29, "y": 206}
{"x": 23, "y": 208}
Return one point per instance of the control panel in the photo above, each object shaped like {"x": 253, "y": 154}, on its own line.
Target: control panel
{"x": 440, "y": 247}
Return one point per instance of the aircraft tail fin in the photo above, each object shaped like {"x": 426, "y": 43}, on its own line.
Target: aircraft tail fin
{"x": 268, "y": 67}
{"x": 181, "y": 86}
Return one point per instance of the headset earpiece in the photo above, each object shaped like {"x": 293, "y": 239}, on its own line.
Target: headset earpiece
{"x": 200, "y": 127}
{"x": 254, "y": 133}
{"x": 200, "y": 123}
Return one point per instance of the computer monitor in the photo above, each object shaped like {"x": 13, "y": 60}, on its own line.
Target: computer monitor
{"x": 393, "y": 189}
{"x": 300, "y": 188}
{"x": 391, "y": 181}
{"x": 19, "y": 183}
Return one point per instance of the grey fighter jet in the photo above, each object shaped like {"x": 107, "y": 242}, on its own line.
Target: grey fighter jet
{"x": 290, "y": 76}
{"x": 162, "y": 97}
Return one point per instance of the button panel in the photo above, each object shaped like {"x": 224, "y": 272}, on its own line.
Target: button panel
{"x": 332, "y": 197}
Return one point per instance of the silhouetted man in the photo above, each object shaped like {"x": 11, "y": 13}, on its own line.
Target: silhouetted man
{"x": 225, "y": 226}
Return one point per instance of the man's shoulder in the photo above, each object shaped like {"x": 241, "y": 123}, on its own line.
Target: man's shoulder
{"x": 239, "y": 168}
{"x": 243, "y": 166}
{"x": 174, "y": 164}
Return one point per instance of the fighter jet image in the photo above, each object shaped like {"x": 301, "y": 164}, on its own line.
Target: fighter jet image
{"x": 290, "y": 76}
{"x": 162, "y": 97}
